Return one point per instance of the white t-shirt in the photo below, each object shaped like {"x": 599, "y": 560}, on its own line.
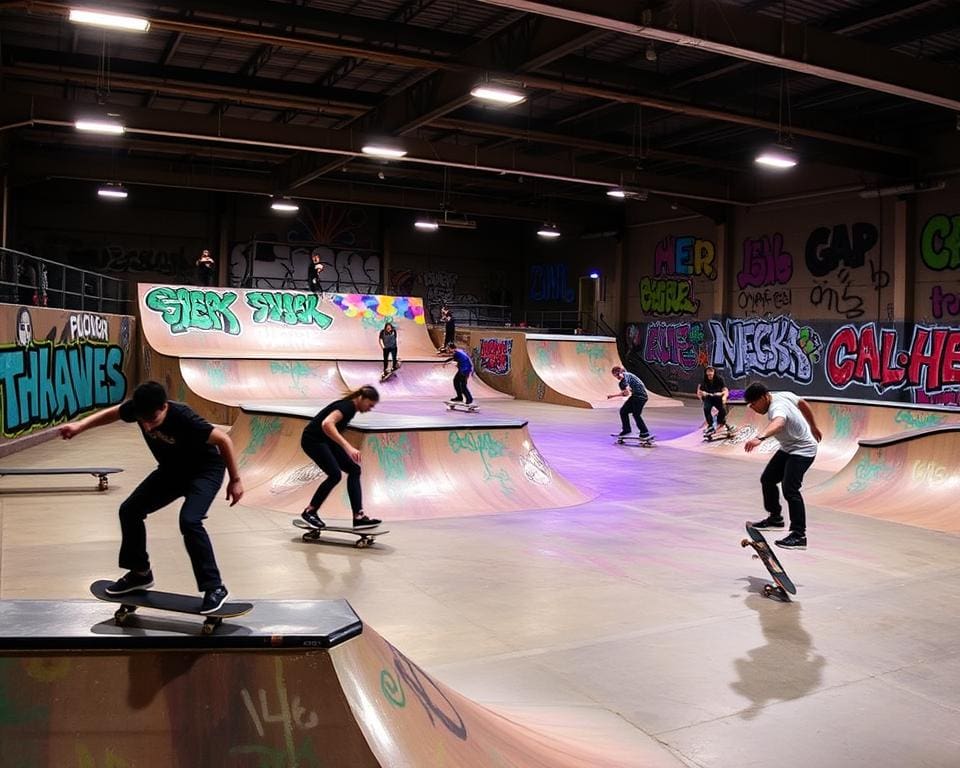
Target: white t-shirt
{"x": 795, "y": 437}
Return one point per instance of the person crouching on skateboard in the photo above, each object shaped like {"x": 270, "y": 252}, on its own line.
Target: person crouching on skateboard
{"x": 631, "y": 388}
{"x": 191, "y": 457}
{"x": 792, "y": 421}
{"x": 713, "y": 393}
{"x": 464, "y": 369}
{"x": 324, "y": 443}
{"x": 388, "y": 344}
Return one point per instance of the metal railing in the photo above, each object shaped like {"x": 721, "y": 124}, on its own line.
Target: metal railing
{"x": 475, "y": 314}
{"x": 34, "y": 281}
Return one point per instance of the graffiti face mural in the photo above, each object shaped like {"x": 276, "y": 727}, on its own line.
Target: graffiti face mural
{"x": 24, "y": 331}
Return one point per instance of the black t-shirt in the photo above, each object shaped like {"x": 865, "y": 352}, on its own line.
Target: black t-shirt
{"x": 180, "y": 443}
{"x": 714, "y": 387}
{"x": 315, "y": 427}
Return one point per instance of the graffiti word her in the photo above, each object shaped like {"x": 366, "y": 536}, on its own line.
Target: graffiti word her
{"x": 287, "y": 308}
{"x": 685, "y": 255}
{"x": 774, "y": 347}
{"x": 765, "y": 262}
{"x": 549, "y": 282}
{"x": 495, "y": 356}
{"x": 186, "y": 309}
{"x": 940, "y": 242}
{"x": 828, "y": 248}
{"x": 673, "y": 344}
{"x": 667, "y": 296}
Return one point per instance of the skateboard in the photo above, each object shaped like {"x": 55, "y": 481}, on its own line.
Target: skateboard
{"x": 769, "y": 558}
{"x": 388, "y": 375}
{"x": 166, "y": 601}
{"x": 719, "y": 434}
{"x": 645, "y": 442}
{"x": 366, "y": 537}
{"x": 98, "y": 472}
{"x": 472, "y": 408}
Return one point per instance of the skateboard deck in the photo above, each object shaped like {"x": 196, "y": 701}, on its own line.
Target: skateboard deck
{"x": 472, "y": 408}
{"x": 166, "y": 601}
{"x": 720, "y": 434}
{"x": 366, "y": 537}
{"x": 645, "y": 442}
{"x": 98, "y": 472}
{"x": 388, "y": 375}
{"x": 772, "y": 563}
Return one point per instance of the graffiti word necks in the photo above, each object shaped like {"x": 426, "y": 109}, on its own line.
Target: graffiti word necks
{"x": 685, "y": 256}
{"x": 43, "y": 384}
{"x": 186, "y": 309}
{"x": 871, "y": 357}
{"x": 287, "y": 308}
{"x": 761, "y": 347}
{"x": 671, "y": 344}
{"x": 828, "y": 248}
{"x": 765, "y": 263}
{"x": 665, "y": 296}
{"x": 940, "y": 242}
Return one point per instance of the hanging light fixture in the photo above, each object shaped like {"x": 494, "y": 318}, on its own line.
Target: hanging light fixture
{"x": 109, "y": 20}
{"x": 549, "y": 231}
{"x": 113, "y": 191}
{"x": 284, "y": 205}
{"x": 498, "y": 94}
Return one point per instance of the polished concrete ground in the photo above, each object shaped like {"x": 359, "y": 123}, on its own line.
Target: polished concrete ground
{"x": 639, "y": 607}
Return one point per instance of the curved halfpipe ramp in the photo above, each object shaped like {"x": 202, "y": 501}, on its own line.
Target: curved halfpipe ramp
{"x": 911, "y": 478}
{"x": 414, "y": 381}
{"x": 413, "y": 467}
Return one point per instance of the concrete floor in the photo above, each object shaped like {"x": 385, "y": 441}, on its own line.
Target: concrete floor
{"x": 639, "y": 607}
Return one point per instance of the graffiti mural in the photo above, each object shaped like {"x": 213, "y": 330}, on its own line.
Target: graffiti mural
{"x": 944, "y": 303}
{"x": 940, "y": 242}
{"x": 550, "y": 282}
{"x": 769, "y": 347}
{"x": 765, "y": 264}
{"x": 832, "y": 255}
{"x": 675, "y": 344}
{"x": 495, "y": 356}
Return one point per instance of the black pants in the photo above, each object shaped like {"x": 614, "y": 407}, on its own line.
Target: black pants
{"x": 634, "y": 405}
{"x": 460, "y": 387}
{"x": 333, "y": 460}
{"x": 206, "y": 277}
{"x": 158, "y": 489}
{"x": 449, "y": 331}
{"x": 709, "y": 403}
{"x": 787, "y": 469}
{"x": 389, "y": 352}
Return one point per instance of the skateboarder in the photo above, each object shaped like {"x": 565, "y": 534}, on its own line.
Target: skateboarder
{"x": 792, "y": 421}
{"x": 388, "y": 344}
{"x": 449, "y": 327}
{"x": 191, "y": 457}
{"x": 464, "y": 369}
{"x": 323, "y": 441}
{"x": 631, "y": 388}
{"x": 713, "y": 393}
{"x": 314, "y": 270}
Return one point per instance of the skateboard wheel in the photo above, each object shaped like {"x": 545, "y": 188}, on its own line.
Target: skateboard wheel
{"x": 744, "y": 542}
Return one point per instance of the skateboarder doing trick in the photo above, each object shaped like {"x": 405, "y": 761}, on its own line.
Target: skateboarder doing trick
{"x": 464, "y": 369}
{"x": 713, "y": 393}
{"x": 631, "y": 388}
{"x": 191, "y": 457}
{"x": 792, "y": 421}
{"x": 388, "y": 343}
{"x": 323, "y": 441}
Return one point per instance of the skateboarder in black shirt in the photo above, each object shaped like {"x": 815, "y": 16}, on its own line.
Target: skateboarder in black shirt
{"x": 713, "y": 393}
{"x": 191, "y": 457}
{"x": 388, "y": 344}
{"x": 323, "y": 441}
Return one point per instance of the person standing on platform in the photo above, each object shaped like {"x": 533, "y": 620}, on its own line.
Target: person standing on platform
{"x": 191, "y": 458}
{"x": 324, "y": 443}
{"x": 206, "y": 269}
{"x": 460, "y": 378}
{"x": 314, "y": 271}
{"x": 449, "y": 328}
{"x": 388, "y": 344}
{"x": 631, "y": 388}
{"x": 713, "y": 393}
{"x": 793, "y": 423}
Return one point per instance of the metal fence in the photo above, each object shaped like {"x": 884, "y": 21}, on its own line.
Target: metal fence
{"x": 31, "y": 280}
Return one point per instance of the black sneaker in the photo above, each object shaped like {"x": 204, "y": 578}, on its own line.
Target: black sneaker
{"x": 130, "y": 582}
{"x": 310, "y": 518}
{"x": 213, "y": 599}
{"x": 709, "y": 430}
{"x": 794, "y": 540}
{"x": 366, "y": 522}
{"x": 770, "y": 522}
{"x": 623, "y": 433}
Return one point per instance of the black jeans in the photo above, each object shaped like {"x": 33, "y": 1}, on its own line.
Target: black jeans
{"x": 449, "y": 332}
{"x": 633, "y": 405}
{"x": 709, "y": 403}
{"x": 389, "y": 352}
{"x": 333, "y": 460}
{"x": 158, "y": 489}
{"x": 787, "y": 469}
{"x": 460, "y": 387}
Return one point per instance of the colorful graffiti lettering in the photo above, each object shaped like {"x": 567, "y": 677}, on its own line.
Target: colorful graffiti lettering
{"x": 765, "y": 262}
{"x": 944, "y": 302}
{"x": 595, "y": 354}
{"x": 667, "y": 296}
{"x": 914, "y": 420}
{"x": 46, "y": 384}
{"x": 378, "y": 308}
{"x": 948, "y": 397}
{"x": 828, "y": 248}
{"x": 940, "y": 242}
{"x": 495, "y": 356}
{"x": 487, "y": 447}
{"x": 550, "y": 282}
{"x": 186, "y": 309}
{"x": 262, "y": 428}
{"x": 297, "y": 371}
{"x": 391, "y": 450}
{"x": 287, "y": 308}
{"x": 679, "y": 344}
{"x": 866, "y": 472}
{"x": 871, "y": 356}
{"x": 685, "y": 255}
{"x": 773, "y": 347}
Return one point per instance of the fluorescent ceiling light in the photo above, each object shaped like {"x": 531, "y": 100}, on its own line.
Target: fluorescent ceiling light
{"x": 776, "y": 157}
{"x": 617, "y": 192}
{"x": 381, "y": 150}
{"x": 109, "y": 20}
{"x": 284, "y": 205}
{"x": 498, "y": 94}
{"x": 113, "y": 191}
{"x": 427, "y": 225}
{"x": 594, "y": 275}
{"x": 548, "y": 231}
{"x": 100, "y": 126}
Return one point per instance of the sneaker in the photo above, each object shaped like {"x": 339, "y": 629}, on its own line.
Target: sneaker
{"x": 455, "y": 400}
{"x": 646, "y": 436}
{"x": 213, "y": 599}
{"x": 310, "y": 518}
{"x": 709, "y": 430}
{"x": 623, "y": 433}
{"x": 770, "y": 522}
{"x": 794, "y": 540}
{"x": 131, "y": 582}
{"x": 365, "y": 522}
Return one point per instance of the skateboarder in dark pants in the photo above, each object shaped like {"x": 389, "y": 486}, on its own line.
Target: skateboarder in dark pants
{"x": 323, "y": 441}
{"x": 191, "y": 457}
{"x": 388, "y": 343}
{"x": 713, "y": 393}
{"x": 631, "y": 388}
{"x": 464, "y": 369}
{"x": 792, "y": 421}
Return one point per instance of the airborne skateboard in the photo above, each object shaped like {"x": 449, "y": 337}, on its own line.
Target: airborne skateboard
{"x": 719, "y": 434}
{"x": 453, "y": 406}
{"x": 98, "y": 472}
{"x": 769, "y": 558}
{"x": 644, "y": 442}
{"x": 166, "y": 601}
{"x": 366, "y": 537}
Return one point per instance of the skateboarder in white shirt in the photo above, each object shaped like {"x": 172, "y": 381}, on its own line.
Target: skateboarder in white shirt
{"x": 795, "y": 428}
